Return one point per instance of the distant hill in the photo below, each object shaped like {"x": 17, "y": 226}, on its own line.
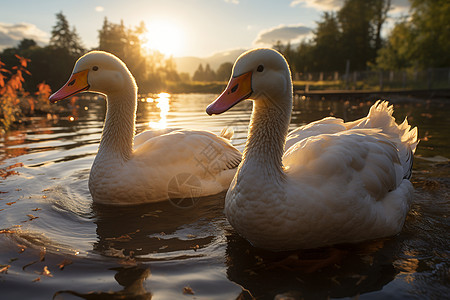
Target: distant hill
{"x": 189, "y": 64}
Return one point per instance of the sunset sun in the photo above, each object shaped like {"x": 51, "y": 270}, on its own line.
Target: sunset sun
{"x": 164, "y": 36}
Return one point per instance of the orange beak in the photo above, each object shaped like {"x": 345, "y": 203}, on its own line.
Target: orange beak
{"x": 76, "y": 83}
{"x": 239, "y": 88}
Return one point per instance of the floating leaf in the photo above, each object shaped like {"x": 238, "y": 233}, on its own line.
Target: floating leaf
{"x": 46, "y": 272}
{"x": 64, "y": 263}
{"x": 4, "y": 269}
{"x": 122, "y": 238}
{"x": 31, "y": 217}
{"x": 187, "y": 290}
{"x": 42, "y": 254}
{"x": 21, "y": 248}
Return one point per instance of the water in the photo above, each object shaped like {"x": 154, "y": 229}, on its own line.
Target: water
{"x": 55, "y": 243}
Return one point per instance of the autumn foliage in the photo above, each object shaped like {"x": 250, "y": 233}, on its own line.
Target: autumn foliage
{"x": 15, "y": 102}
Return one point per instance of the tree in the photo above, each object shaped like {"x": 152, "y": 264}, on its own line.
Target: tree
{"x": 327, "y": 45}
{"x": 63, "y": 38}
{"x": 223, "y": 73}
{"x": 26, "y": 44}
{"x": 126, "y": 44}
{"x": 430, "y": 31}
{"x": 209, "y": 75}
{"x": 361, "y": 24}
{"x": 397, "y": 53}
{"x": 381, "y": 9}
{"x": 420, "y": 41}
{"x": 199, "y": 74}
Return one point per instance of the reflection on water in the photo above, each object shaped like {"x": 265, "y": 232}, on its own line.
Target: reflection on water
{"x": 55, "y": 243}
{"x": 162, "y": 101}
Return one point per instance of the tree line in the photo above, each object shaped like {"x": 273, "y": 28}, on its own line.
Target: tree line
{"x": 351, "y": 39}
{"x": 54, "y": 62}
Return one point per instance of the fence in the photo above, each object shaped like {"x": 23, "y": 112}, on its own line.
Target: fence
{"x": 436, "y": 78}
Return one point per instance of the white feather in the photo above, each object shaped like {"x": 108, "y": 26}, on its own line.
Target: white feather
{"x": 337, "y": 182}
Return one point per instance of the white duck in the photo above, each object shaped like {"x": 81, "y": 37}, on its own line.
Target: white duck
{"x": 334, "y": 182}
{"x": 162, "y": 164}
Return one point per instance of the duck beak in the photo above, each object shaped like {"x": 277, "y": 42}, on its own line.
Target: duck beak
{"x": 239, "y": 88}
{"x": 76, "y": 83}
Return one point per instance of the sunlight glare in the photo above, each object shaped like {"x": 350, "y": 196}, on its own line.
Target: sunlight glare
{"x": 163, "y": 103}
{"x": 164, "y": 36}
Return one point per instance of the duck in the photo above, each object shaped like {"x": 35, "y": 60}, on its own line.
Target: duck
{"x": 325, "y": 183}
{"x": 155, "y": 165}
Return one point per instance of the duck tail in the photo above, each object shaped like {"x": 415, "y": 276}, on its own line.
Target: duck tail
{"x": 380, "y": 116}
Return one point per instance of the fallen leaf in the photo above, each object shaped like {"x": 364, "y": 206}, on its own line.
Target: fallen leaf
{"x": 124, "y": 237}
{"x": 21, "y": 248}
{"x": 187, "y": 290}
{"x": 37, "y": 279}
{"x": 36, "y": 209}
{"x": 4, "y": 269}
{"x": 6, "y": 231}
{"x": 42, "y": 254}
{"x": 64, "y": 263}
{"x": 46, "y": 272}
{"x": 31, "y": 217}
{"x": 10, "y": 203}
{"x": 163, "y": 247}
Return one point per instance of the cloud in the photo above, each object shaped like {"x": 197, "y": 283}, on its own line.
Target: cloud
{"x": 12, "y": 34}
{"x": 397, "y": 6}
{"x": 400, "y": 6}
{"x": 99, "y": 8}
{"x": 319, "y": 4}
{"x": 232, "y": 1}
{"x": 282, "y": 33}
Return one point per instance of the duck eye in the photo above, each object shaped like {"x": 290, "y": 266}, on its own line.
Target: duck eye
{"x": 94, "y": 68}
{"x": 260, "y": 68}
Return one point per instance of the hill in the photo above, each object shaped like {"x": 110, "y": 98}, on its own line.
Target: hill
{"x": 189, "y": 64}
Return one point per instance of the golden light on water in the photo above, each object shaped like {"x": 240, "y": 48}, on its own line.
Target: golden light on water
{"x": 164, "y": 36}
{"x": 163, "y": 103}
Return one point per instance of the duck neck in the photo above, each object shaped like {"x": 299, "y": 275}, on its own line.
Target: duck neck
{"x": 118, "y": 131}
{"x": 267, "y": 137}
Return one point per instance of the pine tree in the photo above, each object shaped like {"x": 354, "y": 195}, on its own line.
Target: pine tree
{"x": 63, "y": 38}
{"x": 199, "y": 74}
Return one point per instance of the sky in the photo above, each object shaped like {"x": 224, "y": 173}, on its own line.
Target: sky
{"x": 175, "y": 27}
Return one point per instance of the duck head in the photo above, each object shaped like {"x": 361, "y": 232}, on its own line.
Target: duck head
{"x": 261, "y": 75}
{"x": 96, "y": 71}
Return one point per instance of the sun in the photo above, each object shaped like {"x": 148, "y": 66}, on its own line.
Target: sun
{"x": 164, "y": 36}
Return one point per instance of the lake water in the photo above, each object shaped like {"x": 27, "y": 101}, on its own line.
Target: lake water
{"x": 55, "y": 243}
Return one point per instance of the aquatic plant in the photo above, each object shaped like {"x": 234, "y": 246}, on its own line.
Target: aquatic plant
{"x": 14, "y": 100}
